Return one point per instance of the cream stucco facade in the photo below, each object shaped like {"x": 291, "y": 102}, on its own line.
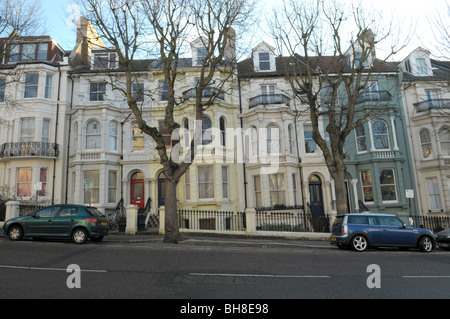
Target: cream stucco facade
{"x": 426, "y": 97}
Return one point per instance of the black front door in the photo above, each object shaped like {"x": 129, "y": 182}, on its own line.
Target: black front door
{"x": 161, "y": 190}
{"x": 315, "y": 195}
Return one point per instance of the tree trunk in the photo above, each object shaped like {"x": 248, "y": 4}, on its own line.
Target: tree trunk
{"x": 172, "y": 231}
{"x": 341, "y": 190}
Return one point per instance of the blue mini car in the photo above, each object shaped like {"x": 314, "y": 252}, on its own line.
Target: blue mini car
{"x": 364, "y": 230}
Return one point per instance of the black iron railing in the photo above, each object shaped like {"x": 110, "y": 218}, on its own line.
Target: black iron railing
{"x": 208, "y": 92}
{"x": 211, "y": 220}
{"x": 374, "y": 96}
{"x": 292, "y": 221}
{"x": 432, "y": 104}
{"x": 269, "y": 99}
{"x": 29, "y": 149}
{"x": 433, "y": 223}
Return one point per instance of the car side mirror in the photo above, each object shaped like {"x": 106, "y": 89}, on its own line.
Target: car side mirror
{"x": 36, "y": 216}
{"x": 404, "y": 226}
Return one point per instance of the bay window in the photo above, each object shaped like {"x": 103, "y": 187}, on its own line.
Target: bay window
{"x": 91, "y": 192}
{"x": 93, "y": 135}
{"x": 387, "y": 184}
{"x": 24, "y": 181}
{"x": 277, "y": 190}
{"x": 366, "y": 182}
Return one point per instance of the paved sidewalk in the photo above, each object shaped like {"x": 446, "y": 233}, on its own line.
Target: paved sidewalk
{"x": 222, "y": 240}
{"x": 152, "y": 236}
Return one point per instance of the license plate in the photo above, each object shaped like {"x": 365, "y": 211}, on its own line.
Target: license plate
{"x": 104, "y": 223}
{"x": 333, "y": 239}
{"x": 443, "y": 245}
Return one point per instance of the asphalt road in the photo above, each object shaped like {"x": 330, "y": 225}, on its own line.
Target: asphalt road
{"x": 39, "y": 269}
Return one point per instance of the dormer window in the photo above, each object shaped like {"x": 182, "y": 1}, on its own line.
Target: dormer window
{"x": 199, "y": 51}
{"x": 418, "y": 63}
{"x": 201, "y": 54}
{"x": 359, "y": 61}
{"x": 408, "y": 66}
{"x": 263, "y": 56}
{"x": 421, "y": 66}
{"x": 264, "y": 62}
{"x": 28, "y": 52}
{"x": 104, "y": 60}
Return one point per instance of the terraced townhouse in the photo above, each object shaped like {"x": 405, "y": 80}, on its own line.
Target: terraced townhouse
{"x": 109, "y": 153}
{"x": 68, "y": 137}
{"x": 426, "y": 97}
{"x": 33, "y": 105}
{"x": 378, "y": 161}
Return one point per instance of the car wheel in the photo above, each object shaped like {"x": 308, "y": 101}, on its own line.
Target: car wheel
{"x": 359, "y": 243}
{"x": 79, "y": 236}
{"x": 425, "y": 244}
{"x": 15, "y": 233}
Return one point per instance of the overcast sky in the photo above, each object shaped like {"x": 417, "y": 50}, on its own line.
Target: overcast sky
{"x": 58, "y": 14}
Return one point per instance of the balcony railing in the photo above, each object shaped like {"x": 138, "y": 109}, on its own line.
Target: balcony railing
{"x": 29, "y": 149}
{"x": 269, "y": 99}
{"x": 208, "y": 92}
{"x": 374, "y": 96}
{"x": 433, "y": 104}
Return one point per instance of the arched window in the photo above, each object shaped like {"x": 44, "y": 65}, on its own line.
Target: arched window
{"x": 360, "y": 134}
{"x": 444, "y": 139}
{"x": 273, "y": 139}
{"x": 380, "y": 135}
{"x": 93, "y": 135}
{"x": 206, "y": 130}
{"x": 425, "y": 143}
{"x": 113, "y": 135}
{"x": 222, "y": 131}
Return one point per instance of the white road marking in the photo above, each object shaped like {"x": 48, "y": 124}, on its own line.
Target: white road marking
{"x": 425, "y": 277}
{"x": 260, "y": 275}
{"x": 51, "y": 269}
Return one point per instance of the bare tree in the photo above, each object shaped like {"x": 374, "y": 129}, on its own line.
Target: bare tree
{"x": 134, "y": 27}
{"x": 333, "y": 62}
{"x": 439, "y": 23}
{"x": 17, "y": 18}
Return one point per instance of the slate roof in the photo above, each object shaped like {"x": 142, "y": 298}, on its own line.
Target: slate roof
{"x": 136, "y": 65}
{"x": 296, "y": 65}
{"x": 441, "y": 72}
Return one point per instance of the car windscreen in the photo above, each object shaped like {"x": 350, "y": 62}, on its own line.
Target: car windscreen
{"x": 94, "y": 212}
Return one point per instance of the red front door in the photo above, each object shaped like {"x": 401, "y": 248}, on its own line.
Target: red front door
{"x": 137, "y": 192}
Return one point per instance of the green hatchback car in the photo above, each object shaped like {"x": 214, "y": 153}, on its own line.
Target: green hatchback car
{"x": 77, "y": 222}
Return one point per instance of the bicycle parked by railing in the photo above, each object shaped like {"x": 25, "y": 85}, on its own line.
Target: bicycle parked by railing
{"x": 112, "y": 220}
{"x": 116, "y": 216}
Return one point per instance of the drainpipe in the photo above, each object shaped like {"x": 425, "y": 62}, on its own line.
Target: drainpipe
{"x": 121, "y": 156}
{"x": 242, "y": 132}
{"x": 68, "y": 139}
{"x": 56, "y": 132}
